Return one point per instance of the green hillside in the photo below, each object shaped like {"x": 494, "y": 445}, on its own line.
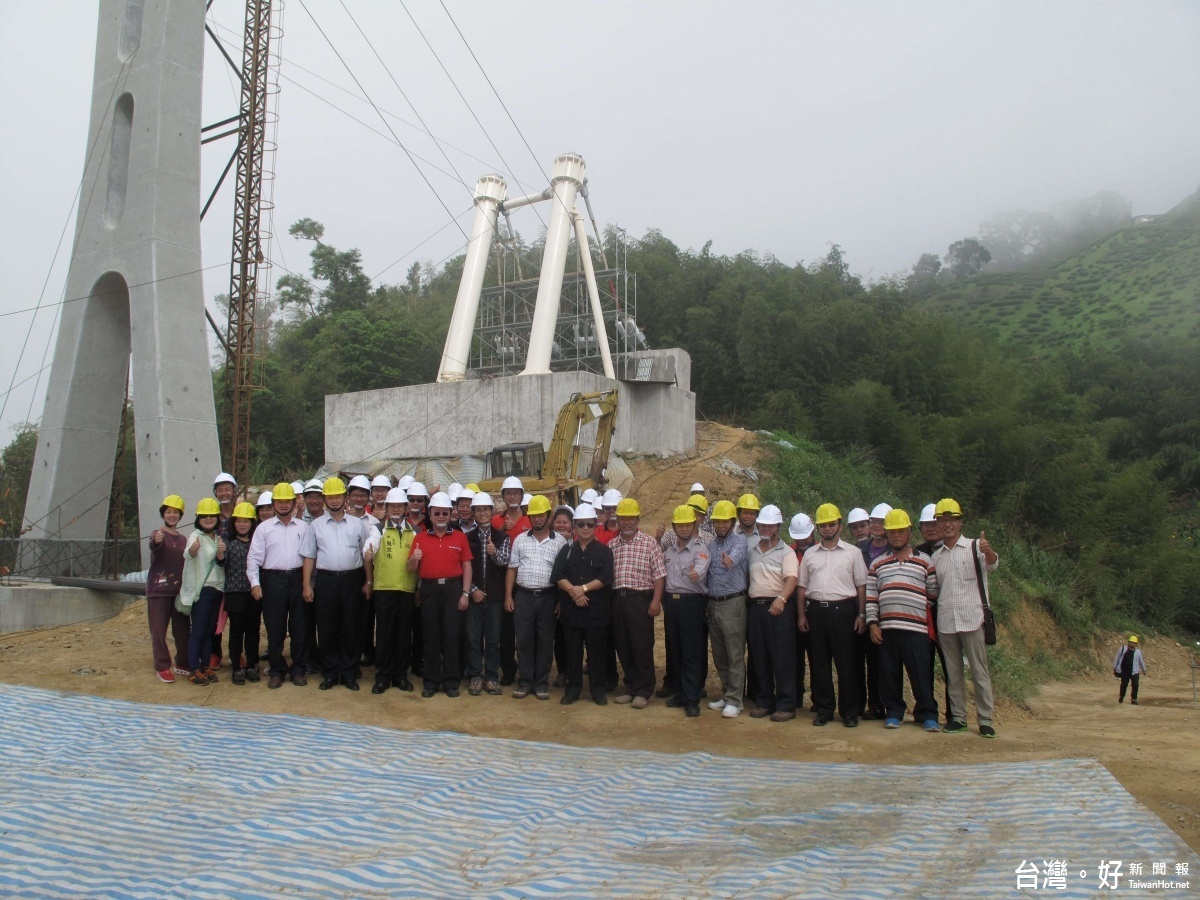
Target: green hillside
{"x": 1139, "y": 282}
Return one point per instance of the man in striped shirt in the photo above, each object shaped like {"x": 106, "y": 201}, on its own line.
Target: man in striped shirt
{"x": 901, "y": 586}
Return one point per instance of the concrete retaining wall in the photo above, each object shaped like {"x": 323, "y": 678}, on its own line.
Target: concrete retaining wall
{"x": 29, "y": 605}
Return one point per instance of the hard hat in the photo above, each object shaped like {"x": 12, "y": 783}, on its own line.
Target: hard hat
{"x": 360, "y": 482}
{"x": 683, "y": 515}
{"x": 585, "y": 511}
{"x": 801, "y": 527}
{"x": 539, "y": 505}
{"x": 612, "y": 497}
{"x": 698, "y": 503}
{"x": 473, "y": 488}
{"x": 896, "y": 520}
{"x": 244, "y": 511}
{"x": 525, "y": 498}
{"x": 208, "y": 507}
{"x": 314, "y": 486}
{"x": 482, "y": 498}
{"x": 266, "y": 498}
{"x": 722, "y": 510}
{"x": 697, "y": 488}
{"x": 464, "y": 494}
{"x": 333, "y": 487}
{"x": 856, "y": 515}
{"x": 404, "y": 482}
{"x": 174, "y": 501}
{"x": 512, "y": 483}
{"x": 590, "y": 496}
{"x": 927, "y": 513}
{"x": 416, "y": 489}
{"x": 454, "y": 490}
{"x": 381, "y": 481}
{"x": 880, "y": 511}
{"x": 440, "y": 500}
{"x": 1133, "y": 639}
{"x": 628, "y": 507}
{"x": 748, "y": 501}
{"x": 770, "y": 515}
{"x": 827, "y": 513}
{"x": 283, "y": 491}
{"x": 396, "y": 495}
{"x": 224, "y": 478}
{"x": 947, "y": 506}
{"x": 297, "y": 488}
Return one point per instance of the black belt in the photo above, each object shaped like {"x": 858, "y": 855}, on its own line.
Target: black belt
{"x": 828, "y": 603}
{"x": 534, "y": 592}
{"x": 681, "y": 596}
{"x": 761, "y": 600}
{"x": 630, "y": 592}
{"x": 728, "y": 596}
{"x": 281, "y": 571}
{"x": 338, "y": 571}
{"x": 441, "y": 580}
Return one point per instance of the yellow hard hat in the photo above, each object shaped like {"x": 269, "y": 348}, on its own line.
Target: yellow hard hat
{"x": 723, "y": 509}
{"x": 208, "y": 507}
{"x": 539, "y": 506}
{"x": 827, "y": 513}
{"x": 174, "y": 501}
{"x": 283, "y": 491}
{"x": 244, "y": 510}
{"x": 333, "y": 487}
{"x": 748, "y": 501}
{"x": 473, "y": 488}
{"x": 628, "y": 507}
{"x": 947, "y": 506}
{"x": 1133, "y": 639}
{"x": 698, "y": 503}
{"x": 896, "y": 520}
{"x": 683, "y": 515}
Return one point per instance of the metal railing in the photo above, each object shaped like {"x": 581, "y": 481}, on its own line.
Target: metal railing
{"x": 54, "y": 557}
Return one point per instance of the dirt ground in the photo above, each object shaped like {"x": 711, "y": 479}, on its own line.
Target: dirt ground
{"x": 1153, "y": 749}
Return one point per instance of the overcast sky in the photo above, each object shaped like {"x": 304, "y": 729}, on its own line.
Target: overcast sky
{"x": 891, "y": 129}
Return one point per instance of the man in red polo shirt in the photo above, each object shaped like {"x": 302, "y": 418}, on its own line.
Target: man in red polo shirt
{"x": 606, "y": 524}
{"x": 511, "y": 520}
{"x": 442, "y": 558}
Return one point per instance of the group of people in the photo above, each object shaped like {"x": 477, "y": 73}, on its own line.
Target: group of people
{"x": 457, "y": 585}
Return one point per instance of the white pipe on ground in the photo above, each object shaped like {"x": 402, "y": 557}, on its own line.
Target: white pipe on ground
{"x": 565, "y": 182}
{"x": 585, "y": 256}
{"x": 489, "y": 193}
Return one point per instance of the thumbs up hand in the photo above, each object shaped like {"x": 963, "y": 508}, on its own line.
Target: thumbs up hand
{"x": 984, "y": 546}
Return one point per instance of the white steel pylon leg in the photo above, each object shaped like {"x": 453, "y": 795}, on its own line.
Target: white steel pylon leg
{"x": 136, "y": 264}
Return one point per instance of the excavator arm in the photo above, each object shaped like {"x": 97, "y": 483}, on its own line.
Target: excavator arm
{"x": 563, "y": 455}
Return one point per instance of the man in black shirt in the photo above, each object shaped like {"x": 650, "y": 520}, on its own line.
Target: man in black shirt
{"x": 583, "y": 572}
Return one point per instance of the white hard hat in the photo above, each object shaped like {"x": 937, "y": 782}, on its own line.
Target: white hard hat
{"x": 224, "y": 478}
{"x": 512, "y": 483}
{"x": 381, "y": 481}
{"x": 770, "y": 515}
{"x": 265, "y": 499}
{"x": 858, "y": 514}
{"x": 525, "y": 499}
{"x": 611, "y": 497}
{"x": 455, "y": 488}
{"x": 396, "y": 495}
{"x": 404, "y": 482}
{"x": 440, "y": 500}
{"x": 464, "y": 494}
{"x": 359, "y": 481}
{"x": 697, "y": 488}
{"x": 416, "y": 489}
{"x": 880, "y": 511}
{"x": 482, "y": 498}
{"x": 801, "y": 527}
{"x": 927, "y": 513}
{"x": 591, "y": 495}
{"x": 314, "y": 486}
{"x": 298, "y": 487}
{"x": 585, "y": 511}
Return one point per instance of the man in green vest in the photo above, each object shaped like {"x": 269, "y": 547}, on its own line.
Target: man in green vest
{"x": 395, "y": 590}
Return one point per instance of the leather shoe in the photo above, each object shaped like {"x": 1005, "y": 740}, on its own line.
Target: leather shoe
{"x": 327, "y": 684}
{"x": 674, "y": 702}
{"x": 352, "y": 685}
{"x": 665, "y": 691}
{"x": 451, "y": 692}
{"x": 850, "y": 722}
{"x": 275, "y": 682}
{"x": 600, "y": 699}
{"x": 782, "y": 716}
{"x": 567, "y": 699}
{"x": 428, "y": 692}
{"x": 691, "y": 709}
{"x": 299, "y": 680}
{"x": 759, "y": 712}
{"x": 820, "y": 719}
{"x": 379, "y": 687}
{"x": 403, "y": 683}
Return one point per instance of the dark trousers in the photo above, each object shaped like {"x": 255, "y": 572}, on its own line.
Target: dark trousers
{"x": 633, "y": 628}
{"x": 1126, "y": 681}
{"x": 671, "y": 675}
{"x": 337, "y": 601}
{"x": 311, "y": 641}
{"x": 610, "y": 657}
{"x": 161, "y": 612}
{"x": 596, "y": 641}
{"x": 366, "y": 626}
{"x": 417, "y": 654}
{"x": 533, "y": 622}
{"x": 244, "y": 628}
{"x": 204, "y": 619}
{"x": 935, "y": 652}
{"x": 774, "y": 653}
{"x": 685, "y": 626}
{"x": 508, "y": 647}
{"x": 803, "y": 643}
{"x": 866, "y": 673}
{"x": 483, "y": 639}
{"x": 831, "y": 630}
{"x": 441, "y": 623}
{"x": 906, "y": 651}
{"x": 751, "y": 670}
{"x": 394, "y": 612}
{"x": 560, "y": 648}
{"x": 285, "y": 615}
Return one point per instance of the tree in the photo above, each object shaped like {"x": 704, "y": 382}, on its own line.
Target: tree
{"x": 928, "y": 265}
{"x": 1019, "y": 238}
{"x": 966, "y": 258}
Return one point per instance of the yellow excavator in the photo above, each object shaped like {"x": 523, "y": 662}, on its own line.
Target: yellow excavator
{"x": 557, "y": 471}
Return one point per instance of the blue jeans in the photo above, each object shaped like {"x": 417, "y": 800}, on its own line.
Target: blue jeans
{"x": 204, "y": 620}
{"x": 483, "y": 640}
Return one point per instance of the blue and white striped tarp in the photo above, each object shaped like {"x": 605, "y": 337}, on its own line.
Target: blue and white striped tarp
{"x": 100, "y": 798}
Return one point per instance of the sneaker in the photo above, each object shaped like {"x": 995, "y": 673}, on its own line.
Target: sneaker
{"x": 212, "y": 676}
{"x": 476, "y": 686}
{"x": 520, "y": 693}
{"x": 198, "y": 678}
{"x": 542, "y": 694}
{"x": 719, "y": 703}
{"x": 954, "y": 727}
{"x": 730, "y": 711}
{"x": 623, "y": 698}
{"x": 180, "y": 670}
{"x": 239, "y": 676}
{"x": 252, "y": 674}
{"x": 214, "y": 662}
{"x": 987, "y": 731}
{"x": 931, "y": 725}
{"x": 1134, "y": 702}
{"x": 490, "y": 687}
{"x": 166, "y": 677}
{"x": 691, "y": 710}
{"x": 890, "y": 722}
{"x": 640, "y": 703}
{"x": 674, "y": 702}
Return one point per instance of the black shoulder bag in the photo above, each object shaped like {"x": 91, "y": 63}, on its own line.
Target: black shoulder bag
{"x": 989, "y": 618}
